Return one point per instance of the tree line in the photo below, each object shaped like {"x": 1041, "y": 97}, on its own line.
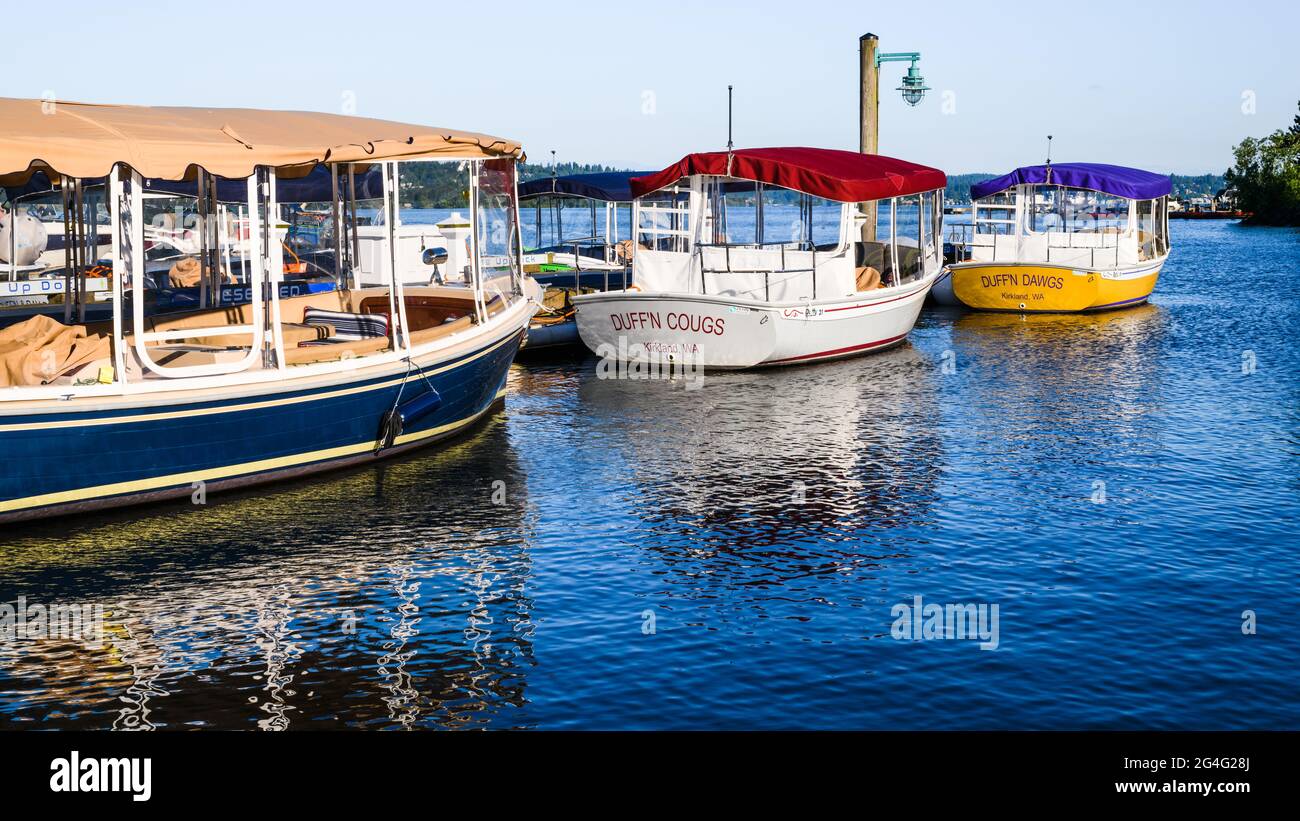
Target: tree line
{"x": 1266, "y": 175}
{"x": 446, "y": 185}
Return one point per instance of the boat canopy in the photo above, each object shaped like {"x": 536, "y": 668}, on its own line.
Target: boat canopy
{"x": 86, "y": 140}
{"x": 1129, "y": 183}
{"x": 317, "y": 186}
{"x": 843, "y": 176}
{"x": 609, "y": 186}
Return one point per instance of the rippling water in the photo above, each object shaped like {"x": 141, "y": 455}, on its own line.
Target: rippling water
{"x": 611, "y": 554}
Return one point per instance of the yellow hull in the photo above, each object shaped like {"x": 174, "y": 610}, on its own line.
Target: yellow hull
{"x": 1051, "y": 288}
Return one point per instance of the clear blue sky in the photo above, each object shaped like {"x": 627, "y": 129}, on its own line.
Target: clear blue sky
{"x": 1156, "y": 85}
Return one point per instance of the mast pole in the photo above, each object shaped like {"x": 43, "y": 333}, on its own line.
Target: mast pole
{"x": 730, "y": 144}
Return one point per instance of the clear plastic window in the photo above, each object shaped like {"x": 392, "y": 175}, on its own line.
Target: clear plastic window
{"x": 874, "y": 261}
{"x": 995, "y": 214}
{"x": 800, "y": 220}
{"x": 664, "y": 222}
{"x": 1075, "y": 210}
{"x": 434, "y": 238}
{"x": 907, "y": 230}
{"x": 739, "y": 216}
{"x": 498, "y": 234}
{"x": 746, "y": 214}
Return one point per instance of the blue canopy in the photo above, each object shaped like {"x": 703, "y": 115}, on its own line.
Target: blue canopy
{"x": 316, "y": 186}
{"x": 610, "y": 186}
{"x": 1130, "y": 183}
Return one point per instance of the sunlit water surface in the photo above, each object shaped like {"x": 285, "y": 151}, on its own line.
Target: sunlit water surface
{"x": 607, "y": 554}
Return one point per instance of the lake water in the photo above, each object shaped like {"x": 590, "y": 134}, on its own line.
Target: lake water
{"x": 615, "y": 554}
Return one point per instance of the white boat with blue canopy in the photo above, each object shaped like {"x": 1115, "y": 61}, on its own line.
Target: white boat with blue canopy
{"x": 139, "y": 408}
{"x": 597, "y": 241}
{"x": 593, "y": 254}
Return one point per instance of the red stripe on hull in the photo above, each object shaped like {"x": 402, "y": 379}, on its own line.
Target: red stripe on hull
{"x": 837, "y": 351}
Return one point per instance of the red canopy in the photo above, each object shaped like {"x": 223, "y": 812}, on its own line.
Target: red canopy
{"x": 844, "y": 176}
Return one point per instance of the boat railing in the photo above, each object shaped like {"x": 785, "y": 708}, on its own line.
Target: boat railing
{"x": 1102, "y": 247}
{"x": 577, "y": 263}
{"x": 801, "y": 246}
{"x": 132, "y": 236}
{"x": 595, "y": 246}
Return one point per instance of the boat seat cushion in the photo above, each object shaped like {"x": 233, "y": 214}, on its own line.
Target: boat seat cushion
{"x": 296, "y": 334}
{"x": 348, "y": 326}
{"x": 445, "y": 329}
{"x": 330, "y": 350}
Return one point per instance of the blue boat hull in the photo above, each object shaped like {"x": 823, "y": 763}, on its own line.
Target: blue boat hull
{"x": 549, "y": 337}
{"x": 128, "y": 453}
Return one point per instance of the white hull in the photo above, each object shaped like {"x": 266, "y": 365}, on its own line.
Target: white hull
{"x": 721, "y": 332}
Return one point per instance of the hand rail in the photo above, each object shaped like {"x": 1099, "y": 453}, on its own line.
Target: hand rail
{"x": 186, "y": 333}
{"x": 137, "y": 298}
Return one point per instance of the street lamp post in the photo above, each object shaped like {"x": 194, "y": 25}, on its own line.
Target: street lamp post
{"x": 913, "y": 90}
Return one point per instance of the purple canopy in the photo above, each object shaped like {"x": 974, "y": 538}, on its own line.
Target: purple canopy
{"x": 1130, "y": 183}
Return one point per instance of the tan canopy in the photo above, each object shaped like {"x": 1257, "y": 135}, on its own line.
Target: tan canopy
{"x": 86, "y": 140}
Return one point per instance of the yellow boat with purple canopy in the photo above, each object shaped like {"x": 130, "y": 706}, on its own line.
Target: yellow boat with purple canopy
{"x": 1060, "y": 238}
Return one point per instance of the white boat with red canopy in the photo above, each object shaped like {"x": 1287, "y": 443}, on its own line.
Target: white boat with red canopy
{"x": 763, "y": 256}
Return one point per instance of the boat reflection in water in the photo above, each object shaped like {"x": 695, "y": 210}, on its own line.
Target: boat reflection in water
{"x": 1050, "y": 366}
{"x": 1057, "y": 426}
{"x": 769, "y": 477}
{"x": 390, "y": 596}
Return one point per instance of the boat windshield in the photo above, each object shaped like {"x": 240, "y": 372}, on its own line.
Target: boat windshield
{"x": 1076, "y": 210}
{"x": 756, "y": 215}
{"x": 664, "y": 221}
{"x": 1063, "y": 225}
{"x": 498, "y": 228}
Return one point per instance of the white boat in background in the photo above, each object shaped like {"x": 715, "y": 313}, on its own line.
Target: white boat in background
{"x": 709, "y": 291}
{"x": 588, "y": 257}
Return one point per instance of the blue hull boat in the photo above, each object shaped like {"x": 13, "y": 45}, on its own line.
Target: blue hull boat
{"x": 147, "y": 394}
{"x": 158, "y": 448}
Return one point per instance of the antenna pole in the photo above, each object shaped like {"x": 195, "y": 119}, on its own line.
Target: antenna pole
{"x": 1049, "y": 149}
{"x": 729, "y": 143}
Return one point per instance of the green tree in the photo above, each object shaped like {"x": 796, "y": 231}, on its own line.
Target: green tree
{"x": 1266, "y": 174}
